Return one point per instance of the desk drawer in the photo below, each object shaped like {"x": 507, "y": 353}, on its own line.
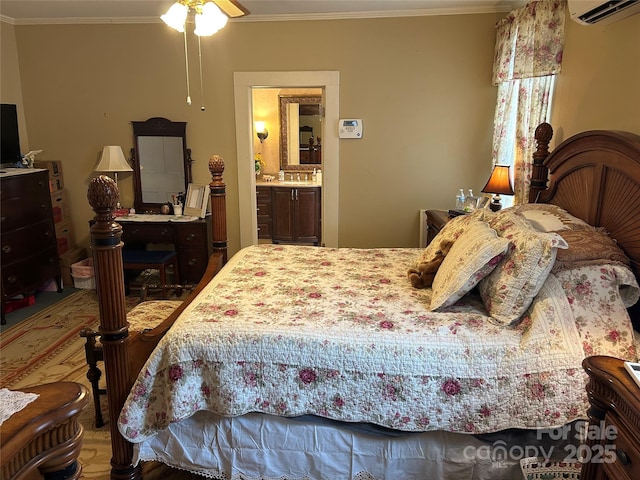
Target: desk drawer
{"x": 192, "y": 235}
{"x": 139, "y": 234}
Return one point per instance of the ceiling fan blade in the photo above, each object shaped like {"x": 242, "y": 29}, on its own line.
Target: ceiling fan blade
{"x": 232, "y": 8}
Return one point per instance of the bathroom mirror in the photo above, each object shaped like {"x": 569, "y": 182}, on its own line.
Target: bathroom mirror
{"x": 300, "y": 132}
{"x": 161, "y": 162}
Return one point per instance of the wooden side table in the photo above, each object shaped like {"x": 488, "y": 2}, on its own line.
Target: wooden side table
{"x": 436, "y": 219}
{"x": 613, "y": 443}
{"x": 45, "y": 435}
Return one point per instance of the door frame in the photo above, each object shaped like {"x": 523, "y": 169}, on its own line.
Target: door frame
{"x": 243, "y": 83}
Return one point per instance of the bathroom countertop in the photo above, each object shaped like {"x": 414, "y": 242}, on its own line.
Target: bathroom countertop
{"x": 286, "y": 183}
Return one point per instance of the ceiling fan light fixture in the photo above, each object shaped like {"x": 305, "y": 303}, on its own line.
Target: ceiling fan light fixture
{"x": 209, "y": 19}
{"x": 176, "y": 16}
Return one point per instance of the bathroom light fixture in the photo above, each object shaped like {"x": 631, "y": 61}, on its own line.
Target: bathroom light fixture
{"x": 261, "y": 131}
{"x": 499, "y": 183}
{"x": 209, "y": 16}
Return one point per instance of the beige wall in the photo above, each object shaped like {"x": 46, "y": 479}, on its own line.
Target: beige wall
{"x": 599, "y": 87}
{"x": 10, "y": 88}
{"x": 421, "y": 85}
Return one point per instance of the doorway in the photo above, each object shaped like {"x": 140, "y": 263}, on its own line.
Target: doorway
{"x": 244, "y": 82}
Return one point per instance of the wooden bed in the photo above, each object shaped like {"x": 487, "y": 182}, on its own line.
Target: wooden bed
{"x": 595, "y": 176}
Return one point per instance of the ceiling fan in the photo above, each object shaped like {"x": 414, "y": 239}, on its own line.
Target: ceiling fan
{"x": 210, "y": 16}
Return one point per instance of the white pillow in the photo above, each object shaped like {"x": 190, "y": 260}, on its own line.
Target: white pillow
{"x": 473, "y": 256}
{"x": 547, "y": 217}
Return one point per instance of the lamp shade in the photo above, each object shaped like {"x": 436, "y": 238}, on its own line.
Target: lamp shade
{"x": 112, "y": 160}
{"x": 176, "y": 16}
{"x": 499, "y": 181}
{"x": 209, "y": 20}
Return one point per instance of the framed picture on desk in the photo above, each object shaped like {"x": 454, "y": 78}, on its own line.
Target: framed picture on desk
{"x": 196, "y": 202}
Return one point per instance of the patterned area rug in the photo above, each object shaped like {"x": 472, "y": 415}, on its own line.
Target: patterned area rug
{"x": 47, "y": 347}
{"x": 48, "y": 333}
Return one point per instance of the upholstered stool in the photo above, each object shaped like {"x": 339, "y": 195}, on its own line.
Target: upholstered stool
{"x": 150, "y": 259}
{"x": 144, "y": 316}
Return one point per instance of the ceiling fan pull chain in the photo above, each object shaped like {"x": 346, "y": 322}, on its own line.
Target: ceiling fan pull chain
{"x": 186, "y": 65}
{"x": 201, "y": 82}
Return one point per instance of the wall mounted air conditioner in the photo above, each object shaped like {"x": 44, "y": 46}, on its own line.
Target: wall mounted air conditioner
{"x": 588, "y": 12}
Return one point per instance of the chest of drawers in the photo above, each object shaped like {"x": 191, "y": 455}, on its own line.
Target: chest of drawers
{"x": 28, "y": 255}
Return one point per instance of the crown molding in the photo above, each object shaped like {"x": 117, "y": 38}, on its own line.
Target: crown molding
{"x": 261, "y": 18}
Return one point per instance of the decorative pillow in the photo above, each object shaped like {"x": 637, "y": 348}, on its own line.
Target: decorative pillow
{"x": 588, "y": 247}
{"x": 509, "y": 290}
{"x": 472, "y": 257}
{"x": 547, "y": 217}
{"x": 451, "y": 231}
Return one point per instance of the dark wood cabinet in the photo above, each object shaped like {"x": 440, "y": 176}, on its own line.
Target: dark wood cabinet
{"x": 436, "y": 219}
{"x": 613, "y": 446}
{"x": 263, "y": 200}
{"x": 29, "y": 253}
{"x": 191, "y": 240}
{"x": 296, "y": 214}
{"x": 311, "y": 155}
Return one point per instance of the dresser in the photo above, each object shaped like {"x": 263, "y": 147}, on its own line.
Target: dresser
{"x": 191, "y": 240}
{"x": 29, "y": 252}
{"x": 614, "y": 421}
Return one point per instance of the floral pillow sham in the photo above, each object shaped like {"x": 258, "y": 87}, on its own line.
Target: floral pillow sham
{"x": 451, "y": 231}
{"x": 509, "y": 290}
{"x": 473, "y": 256}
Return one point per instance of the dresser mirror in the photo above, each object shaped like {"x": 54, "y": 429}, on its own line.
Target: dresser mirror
{"x": 161, "y": 162}
{"x": 300, "y": 132}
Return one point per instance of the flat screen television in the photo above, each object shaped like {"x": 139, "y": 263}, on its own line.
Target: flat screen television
{"x": 9, "y": 138}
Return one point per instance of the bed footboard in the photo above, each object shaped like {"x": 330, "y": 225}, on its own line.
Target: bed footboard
{"x": 123, "y": 354}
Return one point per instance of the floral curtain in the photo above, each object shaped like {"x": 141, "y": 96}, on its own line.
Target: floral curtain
{"x": 528, "y": 55}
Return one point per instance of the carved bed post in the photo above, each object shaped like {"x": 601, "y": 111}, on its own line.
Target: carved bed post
{"x": 218, "y": 191}
{"x": 107, "y": 258}
{"x": 539, "y": 172}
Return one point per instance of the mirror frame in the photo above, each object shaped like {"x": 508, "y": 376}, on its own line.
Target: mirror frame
{"x": 284, "y": 124}
{"x": 157, "y": 127}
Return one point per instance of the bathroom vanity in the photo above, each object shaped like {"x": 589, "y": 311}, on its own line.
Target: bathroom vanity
{"x": 289, "y": 212}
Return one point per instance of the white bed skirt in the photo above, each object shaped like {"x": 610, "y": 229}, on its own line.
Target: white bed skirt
{"x": 258, "y": 446}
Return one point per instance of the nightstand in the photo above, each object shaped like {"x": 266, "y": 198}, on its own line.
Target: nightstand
{"x": 615, "y": 413}
{"x": 436, "y": 219}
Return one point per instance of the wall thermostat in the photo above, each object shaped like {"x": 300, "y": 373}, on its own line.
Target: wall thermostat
{"x": 350, "y": 128}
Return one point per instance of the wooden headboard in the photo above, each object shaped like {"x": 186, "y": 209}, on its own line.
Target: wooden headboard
{"x": 594, "y": 175}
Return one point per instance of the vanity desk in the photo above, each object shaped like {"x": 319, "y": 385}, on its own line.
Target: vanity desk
{"x": 190, "y": 237}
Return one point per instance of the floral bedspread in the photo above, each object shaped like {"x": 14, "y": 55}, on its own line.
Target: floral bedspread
{"x": 340, "y": 333}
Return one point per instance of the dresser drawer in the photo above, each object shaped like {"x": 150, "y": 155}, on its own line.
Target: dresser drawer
{"x": 27, "y": 274}
{"x": 24, "y": 185}
{"x": 24, "y": 242}
{"x": 626, "y": 463}
{"x": 17, "y": 211}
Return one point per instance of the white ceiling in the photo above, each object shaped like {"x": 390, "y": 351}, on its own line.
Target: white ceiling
{"x": 29, "y": 12}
